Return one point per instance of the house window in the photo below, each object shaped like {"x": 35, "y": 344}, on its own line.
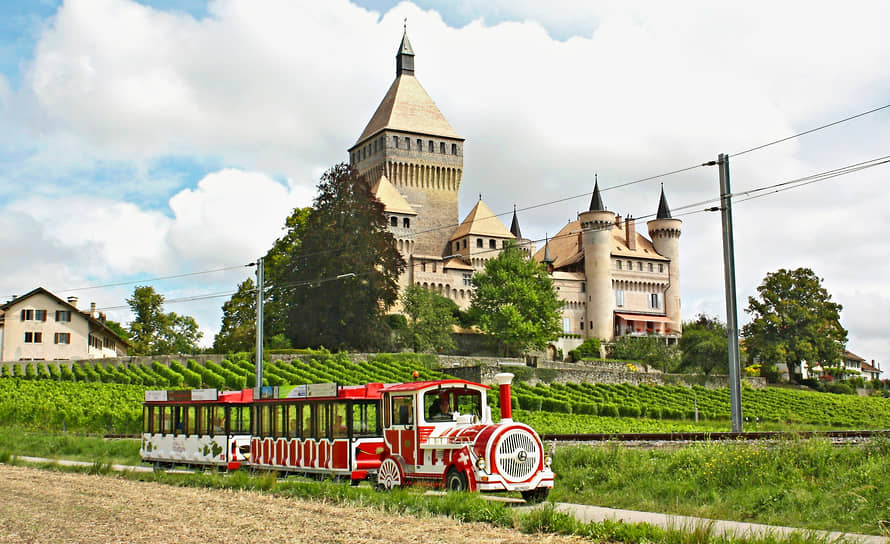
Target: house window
{"x": 492, "y": 244}
{"x": 62, "y": 338}
{"x": 454, "y": 149}
{"x": 654, "y": 300}
{"x": 395, "y": 142}
{"x": 468, "y": 279}
{"x": 478, "y": 242}
{"x": 650, "y": 267}
{"x": 33, "y": 315}
{"x": 33, "y": 337}
{"x": 432, "y": 147}
{"x": 619, "y": 298}
{"x": 406, "y": 223}
{"x": 63, "y": 315}
{"x": 442, "y": 147}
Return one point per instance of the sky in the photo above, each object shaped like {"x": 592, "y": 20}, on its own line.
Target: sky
{"x": 157, "y": 138}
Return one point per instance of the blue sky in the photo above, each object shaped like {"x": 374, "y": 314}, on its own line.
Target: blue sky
{"x": 149, "y": 139}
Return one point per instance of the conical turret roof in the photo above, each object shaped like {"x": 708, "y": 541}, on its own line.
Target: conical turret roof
{"x": 514, "y": 226}
{"x": 663, "y": 211}
{"x": 596, "y": 201}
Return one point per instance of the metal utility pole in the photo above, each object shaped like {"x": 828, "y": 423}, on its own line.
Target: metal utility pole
{"x": 259, "y": 328}
{"x": 732, "y": 327}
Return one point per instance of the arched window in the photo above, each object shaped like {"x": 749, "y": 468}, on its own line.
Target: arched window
{"x": 406, "y": 223}
{"x": 408, "y": 143}
{"x": 454, "y": 149}
{"x": 394, "y": 221}
{"x": 478, "y": 242}
{"x": 442, "y": 147}
{"x": 432, "y": 147}
{"x": 395, "y": 142}
{"x": 419, "y": 144}
{"x": 492, "y": 244}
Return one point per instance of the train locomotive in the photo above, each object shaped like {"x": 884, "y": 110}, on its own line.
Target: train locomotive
{"x": 435, "y": 433}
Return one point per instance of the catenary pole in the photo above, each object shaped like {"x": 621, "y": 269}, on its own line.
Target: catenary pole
{"x": 259, "y": 327}
{"x": 732, "y": 327}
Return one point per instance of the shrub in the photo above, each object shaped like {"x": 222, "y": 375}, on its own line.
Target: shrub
{"x": 608, "y": 410}
{"x": 556, "y": 405}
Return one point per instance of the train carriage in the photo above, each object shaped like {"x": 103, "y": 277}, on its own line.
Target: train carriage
{"x": 196, "y": 427}
{"x": 437, "y": 433}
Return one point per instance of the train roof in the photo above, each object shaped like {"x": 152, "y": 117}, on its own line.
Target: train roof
{"x": 417, "y": 386}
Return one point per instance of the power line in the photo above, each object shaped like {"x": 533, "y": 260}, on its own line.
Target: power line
{"x": 799, "y": 134}
{"x": 149, "y": 280}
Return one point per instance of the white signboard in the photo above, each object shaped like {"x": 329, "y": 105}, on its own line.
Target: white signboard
{"x": 204, "y": 394}
{"x": 321, "y": 390}
{"x": 155, "y": 396}
{"x": 296, "y": 392}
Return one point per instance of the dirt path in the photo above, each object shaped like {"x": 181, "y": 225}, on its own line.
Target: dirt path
{"x": 56, "y": 507}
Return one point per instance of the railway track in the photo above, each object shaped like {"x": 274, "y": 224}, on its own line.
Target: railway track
{"x": 680, "y": 437}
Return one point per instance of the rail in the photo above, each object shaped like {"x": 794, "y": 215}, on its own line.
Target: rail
{"x": 705, "y": 436}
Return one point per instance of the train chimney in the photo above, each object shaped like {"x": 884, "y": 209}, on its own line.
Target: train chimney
{"x": 504, "y": 380}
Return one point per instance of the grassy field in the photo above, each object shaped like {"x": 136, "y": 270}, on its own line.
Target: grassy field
{"x": 799, "y": 483}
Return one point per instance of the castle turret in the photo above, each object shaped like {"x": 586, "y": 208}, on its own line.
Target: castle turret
{"x": 596, "y": 225}
{"x": 665, "y": 232}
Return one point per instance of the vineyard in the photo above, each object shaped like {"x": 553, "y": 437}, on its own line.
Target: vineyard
{"x": 93, "y": 397}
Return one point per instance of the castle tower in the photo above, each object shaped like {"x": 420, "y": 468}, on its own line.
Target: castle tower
{"x": 596, "y": 226}
{"x": 665, "y": 234}
{"x": 409, "y": 141}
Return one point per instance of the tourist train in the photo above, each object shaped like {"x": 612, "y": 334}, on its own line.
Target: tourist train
{"x": 439, "y": 433}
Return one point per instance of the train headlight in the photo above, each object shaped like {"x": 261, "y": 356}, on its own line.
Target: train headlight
{"x": 547, "y": 460}
{"x": 480, "y": 464}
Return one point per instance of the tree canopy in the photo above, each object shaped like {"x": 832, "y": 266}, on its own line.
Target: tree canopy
{"x": 238, "y": 331}
{"x": 704, "y": 345}
{"x": 651, "y": 350}
{"x": 794, "y": 320}
{"x": 515, "y": 301}
{"x": 153, "y": 332}
{"x": 430, "y": 320}
{"x": 339, "y": 268}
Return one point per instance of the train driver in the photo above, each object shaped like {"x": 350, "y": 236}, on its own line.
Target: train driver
{"x": 440, "y": 409}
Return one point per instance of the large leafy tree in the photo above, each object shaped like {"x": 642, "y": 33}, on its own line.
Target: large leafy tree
{"x": 514, "y": 301}
{"x": 651, "y": 350}
{"x": 793, "y": 319}
{"x": 430, "y": 320}
{"x": 238, "y": 330}
{"x": 153, "y": 332}
{"x": 340, "y": 280}
{"x": 704, "y": 345}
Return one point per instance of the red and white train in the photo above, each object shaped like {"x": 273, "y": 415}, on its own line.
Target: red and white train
{"x": 438, "y": 433}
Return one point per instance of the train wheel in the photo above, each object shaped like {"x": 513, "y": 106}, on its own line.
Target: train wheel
{"x": 534, "y": 496}
{"x": 389, "y": 475}
{"x": 455, "y": 480}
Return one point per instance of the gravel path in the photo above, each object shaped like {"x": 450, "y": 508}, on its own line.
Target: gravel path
{"x": 56, "y": 507}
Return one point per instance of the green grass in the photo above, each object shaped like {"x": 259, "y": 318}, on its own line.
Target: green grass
{"x": 18, "y": 441}
{"x": 809, "y": 484}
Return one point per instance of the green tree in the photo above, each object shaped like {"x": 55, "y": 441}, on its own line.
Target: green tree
{"x": 794, "y": 320}
{"x": 430, "y": 320}
{"x": 153, "y": 332}
{"x": 651, "y": 350}
{"x": 704, "y": 345}
{"x": 514, "y": 301}
{"x": 279, "y": 263}
{"x": 340, "y": 281}
{"x": 118, "y": 329}
{"x": 148, "y": 323}
{"x": 238, "y": 330}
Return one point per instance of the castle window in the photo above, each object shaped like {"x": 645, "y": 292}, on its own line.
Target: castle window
{"x": 454, "y": 149}
{"x": 492, "y": 244}
{"x": 394, "y": 221}
{"x": 583, "y": 287}
{"x": 419, "y": 144}
{"x": 465, "y": 243}
{"x": 618, "y": 265}
{"x": 442, "y": 147}
{"x": 395, "y": 142}
{"x": 432, "y": 147}
{"x": 478, "y": 242}
{"x": 456, "y": 246}
{"x": 504, "y": 243}
{"x": 619, "y": 298}
{"x": 639, "y": 267}
{"x": 660, "y": 268}
{"x": 406, "y": 223}
{"x": 434, "y": 267}
{"x": 650, "y": 267}
{"x": 408, "y": 143}
{"x": 582, "y": 325}
{"x": 468, "y": 278}
{"x": 422, "y": 266}
{"x": 654, "y": 301}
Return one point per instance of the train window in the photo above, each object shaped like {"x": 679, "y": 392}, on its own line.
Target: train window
{"x": 217, "y": 420}
{"x": 403, "y": 410}
{"x": 239, "y": 419}
{"x": 277, "y": 420}
{"x": 469, "y": 402}
{"x": 265, "y": 420}
{"x": 438, "y": 406}
{"x": 295, "y": 416}
{"x": 146, "y": 419}
{"x": 308, "y": 430}
{"x": 323, "y": 430}
{"x": 364, "y": 419}
{"x": 157, "y": 424}
{"x": 191, "y": 419}
{"x": 178, "y": 420}
{"x": 339, "y": 427}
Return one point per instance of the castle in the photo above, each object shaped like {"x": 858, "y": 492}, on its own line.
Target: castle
{"x": 613, "y": 280}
